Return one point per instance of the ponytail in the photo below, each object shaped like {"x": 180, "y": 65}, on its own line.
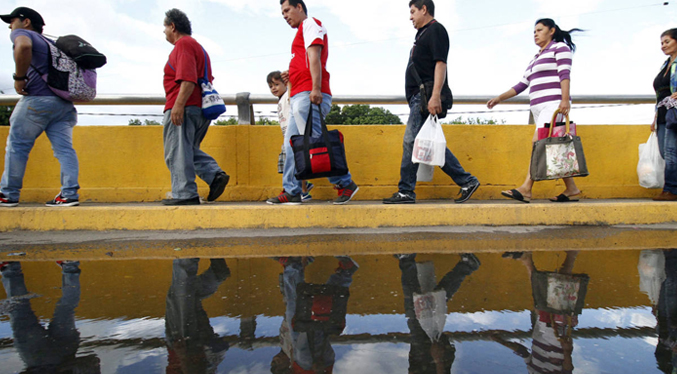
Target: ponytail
{"x": 560, "y": 35}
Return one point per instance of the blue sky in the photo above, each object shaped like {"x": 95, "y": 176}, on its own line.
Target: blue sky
{"x": 491, "y": 45}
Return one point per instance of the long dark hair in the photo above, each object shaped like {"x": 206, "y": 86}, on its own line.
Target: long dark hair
{"x": 560, "y": 35}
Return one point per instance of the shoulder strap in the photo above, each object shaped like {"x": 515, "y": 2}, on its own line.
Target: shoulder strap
{"x": 206, "y": 75}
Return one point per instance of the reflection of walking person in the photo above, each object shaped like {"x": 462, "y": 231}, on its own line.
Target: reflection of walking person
{"x": 192, "y": 344}
{"x": 50, "y": 349}
{"x": 558, "y": 299}
{"x": 305, "y": 341}
{"x": 428, "y": 355}
{"x": 666, "y": 308}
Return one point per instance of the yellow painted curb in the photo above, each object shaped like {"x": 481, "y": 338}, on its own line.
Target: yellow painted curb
{"x": 322, "y": 215}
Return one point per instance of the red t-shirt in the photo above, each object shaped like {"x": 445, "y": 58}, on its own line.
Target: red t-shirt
{"x": 311, "y": 32}
{"x": 186, "y": 63}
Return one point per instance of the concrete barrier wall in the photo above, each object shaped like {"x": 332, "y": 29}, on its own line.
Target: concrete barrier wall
{"x": 126, "y": 163}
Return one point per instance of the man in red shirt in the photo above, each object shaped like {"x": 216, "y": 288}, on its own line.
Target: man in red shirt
{"x": 309, "y": 84}
{"x": 184, "y": 125}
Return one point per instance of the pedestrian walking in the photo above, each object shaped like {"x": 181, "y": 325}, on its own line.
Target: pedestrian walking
{"x": 428, "y": 63}
{"x": 39, "y": 110}
{"x": 548, "y": 79}
{"x": 309, "y": 80}
{"x": 665, "y": 85}
{"x": 184, "y": 124}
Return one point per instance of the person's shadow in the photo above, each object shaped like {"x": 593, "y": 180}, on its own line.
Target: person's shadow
{"x": 430, "y": 349}
{"x": 191, "y": 342}
{"x": 52, "y": 349}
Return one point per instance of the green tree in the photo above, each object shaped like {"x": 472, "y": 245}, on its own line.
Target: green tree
{"x": 5, "y": 113}
{"x": 137, "y": 122}
{"x": 474, "y": 121}
{"x": 267, "y": 122}
{"x": 361, "y": 114}
{"x": 226, "y": 122}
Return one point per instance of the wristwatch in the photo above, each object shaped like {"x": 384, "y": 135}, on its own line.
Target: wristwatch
{"x": 16, "y": 78}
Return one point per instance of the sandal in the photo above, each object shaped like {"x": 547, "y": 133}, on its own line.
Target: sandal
{"x": 516, "y": 195}
{"x": 562, "y": 198}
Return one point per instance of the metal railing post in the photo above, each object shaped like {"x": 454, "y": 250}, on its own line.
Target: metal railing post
{"x": 245, "y": 109}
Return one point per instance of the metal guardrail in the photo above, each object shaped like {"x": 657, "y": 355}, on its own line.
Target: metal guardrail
{"x": 245, "y": 101}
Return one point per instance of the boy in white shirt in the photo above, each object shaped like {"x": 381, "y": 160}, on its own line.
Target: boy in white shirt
{"x": 279, "y": 89}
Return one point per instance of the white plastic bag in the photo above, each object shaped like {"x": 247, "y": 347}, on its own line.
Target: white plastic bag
{"x": 651, "y": 266}
{"x": 431, "y": 312}
{"x": 430, "y": 145}
{"x": 651, "y": 166}
{"x": 425, "y": 173}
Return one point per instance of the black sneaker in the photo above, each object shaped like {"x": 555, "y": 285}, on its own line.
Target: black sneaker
{"x": 467, "y": 191}
{"x": 177, "y": 202}
{"x": 471, "y": 260}
{"x": 218, "y": 186}
{"x": 400, "y": 198}
{"x": 285, "y": 199}
{"x": 346, "y": 194}
{"x": 6, "y": 202}
{"x": 60, "y": 201}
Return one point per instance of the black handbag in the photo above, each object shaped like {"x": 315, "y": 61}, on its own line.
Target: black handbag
{"x": 318, "y": 156}
{"x": 426, "y": 89}
{"x": 320, "y": 307}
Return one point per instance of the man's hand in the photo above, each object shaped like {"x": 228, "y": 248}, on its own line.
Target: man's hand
{"x": 285, "y": 76}
{"x": 435, "y": 104}
{"x": 316, "y": 97}
{"x": 20, "y": 87}
{"x": 177, "y": 114}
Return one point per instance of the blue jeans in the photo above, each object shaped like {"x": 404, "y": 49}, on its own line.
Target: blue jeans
{"x": 32, "y": 116}
{"x": 408, "y": 169}
{"x": 667, "y": 143}
{"x": 44, "y": 347}
{"x": 300, "y": 106}
{"x": 183, "y": 155}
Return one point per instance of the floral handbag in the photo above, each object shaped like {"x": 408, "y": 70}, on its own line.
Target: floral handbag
{"x": 558, "y": 157}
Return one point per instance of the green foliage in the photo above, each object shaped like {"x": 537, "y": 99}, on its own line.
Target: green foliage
{"x": 233, "y": 121}
{"x": 361, "y": 115}
{"x": 137, "y": 122}
{"x": 267, "y": 122}
{"x": 226, "y": 122}
{"x": 5, "y": 113}
{"x": 474, "y": 121}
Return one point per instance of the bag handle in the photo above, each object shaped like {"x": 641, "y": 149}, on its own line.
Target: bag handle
{"x": 553, "y": 121}
{"x": 325, "y": 135}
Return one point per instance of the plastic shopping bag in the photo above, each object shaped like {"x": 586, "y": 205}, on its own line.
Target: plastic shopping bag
{"x": 431, "y": 312}
{"x": 651, "y": 166}
{"x": 430, "y": 145}
{"x": 425, "y": 173}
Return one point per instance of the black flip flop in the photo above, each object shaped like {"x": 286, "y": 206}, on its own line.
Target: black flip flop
{"x": 516, "y": 195}
{"x": 562, "y": 198}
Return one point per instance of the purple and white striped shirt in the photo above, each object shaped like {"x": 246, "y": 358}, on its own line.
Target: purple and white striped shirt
{"x": 545, "y": 73}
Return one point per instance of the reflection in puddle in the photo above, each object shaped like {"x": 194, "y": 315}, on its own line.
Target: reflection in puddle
{"x": 546, "y": 312}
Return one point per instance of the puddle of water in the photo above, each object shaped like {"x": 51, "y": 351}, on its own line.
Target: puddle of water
{"x": 604, "y": 312}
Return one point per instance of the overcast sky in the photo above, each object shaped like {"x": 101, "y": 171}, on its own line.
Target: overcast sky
{"x": 491, "y": 45}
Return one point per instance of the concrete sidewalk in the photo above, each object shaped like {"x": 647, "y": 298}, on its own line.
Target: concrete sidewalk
{"x": 320, "y": 214}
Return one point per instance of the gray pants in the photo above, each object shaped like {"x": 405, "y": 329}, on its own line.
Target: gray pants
{"x": 183, "y": 155}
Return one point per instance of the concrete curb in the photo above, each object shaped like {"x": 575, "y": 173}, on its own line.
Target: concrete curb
{"x": 324, "y": 215}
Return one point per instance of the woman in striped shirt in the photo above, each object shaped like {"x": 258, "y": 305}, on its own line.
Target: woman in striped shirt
{"x": 547, "y": 76}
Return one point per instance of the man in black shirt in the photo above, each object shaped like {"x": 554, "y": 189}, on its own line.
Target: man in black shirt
{"x": 428, "y": 67}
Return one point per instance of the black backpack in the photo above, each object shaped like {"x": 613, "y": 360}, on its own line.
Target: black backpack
{"x": 86, "y": 56}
